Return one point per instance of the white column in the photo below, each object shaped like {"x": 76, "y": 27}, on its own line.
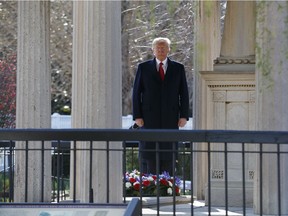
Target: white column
{"x": 206, "y": 49}
{"x": 33, "y": 98}
{"x": 239, "y": 30}
{"x": 272, "y": 101}
{"x": 96, "y": 93}
{"x": 223, "y": 90}
{"x": 238, "y": 40}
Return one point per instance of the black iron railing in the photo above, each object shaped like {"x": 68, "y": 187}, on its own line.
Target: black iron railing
{"x": 212, "y": 142}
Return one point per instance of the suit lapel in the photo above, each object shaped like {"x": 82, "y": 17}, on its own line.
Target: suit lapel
{"x": 155, "y": 73}
{"x": 169, "y": 69}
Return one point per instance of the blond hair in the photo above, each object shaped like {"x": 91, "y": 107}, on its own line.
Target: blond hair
{"x": 161, "y": 40}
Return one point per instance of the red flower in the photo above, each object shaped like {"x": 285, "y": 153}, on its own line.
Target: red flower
{"x": 164, "y": 182}
{"x": 177, "y": 190}
{"x": 136, "y": 186}
{"x": 154, "y": 177}
{"x": 132, "y": 180}
{"x": 8, "y": 89}
{"x": 146, "y": 183}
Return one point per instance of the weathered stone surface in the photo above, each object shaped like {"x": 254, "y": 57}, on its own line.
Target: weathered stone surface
{"x": 33, "y": 98}
{"x": 96, "y": 94}
{"x": 272, "y": 102}
{"x": 226, "y": 96}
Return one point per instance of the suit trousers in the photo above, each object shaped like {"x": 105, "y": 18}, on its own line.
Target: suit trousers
{"x": 148, "y": 157}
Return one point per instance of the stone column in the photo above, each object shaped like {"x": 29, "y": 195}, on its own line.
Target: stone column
{"x": 239, "y": 30}
{"x": 33, "y": 98}
{"x": 207, "y": 48}
{"x": 238, "y": 40}
{"x": 272, "y": 102}
{"x": 96, "y": 94}
{"x": 227, "y": 100}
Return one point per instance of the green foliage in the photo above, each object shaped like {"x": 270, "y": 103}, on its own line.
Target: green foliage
{"x": 4, "y": 187}
{"x": 64, "y": 184}
{"x": 4, "y": 182}
{"x": 132, "y": 162}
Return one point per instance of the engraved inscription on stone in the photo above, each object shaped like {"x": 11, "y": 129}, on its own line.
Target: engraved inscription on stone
{"x": 217, "y": 174}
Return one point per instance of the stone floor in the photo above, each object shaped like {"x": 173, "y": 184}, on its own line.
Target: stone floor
{"x": 182, "y": 208}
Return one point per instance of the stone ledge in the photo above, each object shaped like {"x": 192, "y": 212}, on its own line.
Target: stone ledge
{"x": 168, "y": 200}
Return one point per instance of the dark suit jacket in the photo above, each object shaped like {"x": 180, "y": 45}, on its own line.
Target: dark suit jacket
{"x": 160, "y": 103}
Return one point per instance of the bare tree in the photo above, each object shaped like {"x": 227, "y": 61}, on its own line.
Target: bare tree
{"x": 142, "y": 21}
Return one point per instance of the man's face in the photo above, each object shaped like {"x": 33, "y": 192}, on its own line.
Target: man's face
{"x": 161, "y": 51}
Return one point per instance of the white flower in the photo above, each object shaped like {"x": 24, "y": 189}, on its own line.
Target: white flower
{"x": 136, "y": 183}
{"x": 128, "y": 184}
{"x": 150, "y": 178}
{"x": 169, "y": 191}
{"x": 170, "y": 184}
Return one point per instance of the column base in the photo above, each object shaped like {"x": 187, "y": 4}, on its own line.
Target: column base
{"x": 235, "y": 194}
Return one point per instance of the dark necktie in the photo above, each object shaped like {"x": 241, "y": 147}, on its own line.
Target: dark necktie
{"x": 161, "y": 71}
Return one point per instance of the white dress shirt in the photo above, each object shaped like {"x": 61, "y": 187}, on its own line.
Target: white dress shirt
{"x": 165, "y": 64}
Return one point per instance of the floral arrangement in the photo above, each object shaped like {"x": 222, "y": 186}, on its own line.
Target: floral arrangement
{"x": 149, "y": 184}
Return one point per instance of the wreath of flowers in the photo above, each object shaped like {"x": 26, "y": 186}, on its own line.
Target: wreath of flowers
{"x": 149, "y": 184}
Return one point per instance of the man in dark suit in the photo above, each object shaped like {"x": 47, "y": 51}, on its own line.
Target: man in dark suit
{"x": 160, "y": 101}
